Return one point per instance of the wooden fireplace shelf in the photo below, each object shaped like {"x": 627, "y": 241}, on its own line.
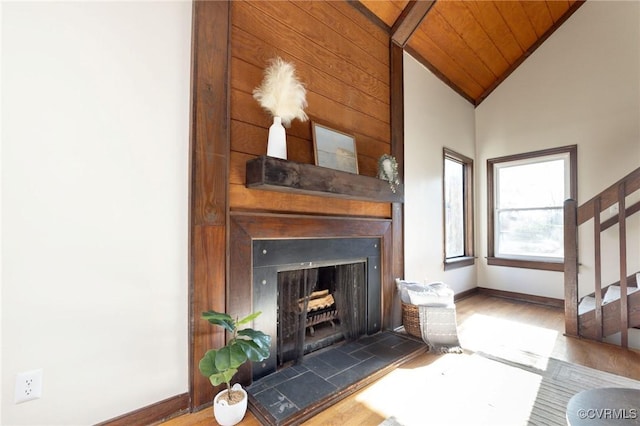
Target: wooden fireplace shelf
{"x": 274, "y": 174}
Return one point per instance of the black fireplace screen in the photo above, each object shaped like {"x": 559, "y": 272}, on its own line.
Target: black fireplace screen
{"x": 313, "y": 293}
{"x": 332, "y": 298}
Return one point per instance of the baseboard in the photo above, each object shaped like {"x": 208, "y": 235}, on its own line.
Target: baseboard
{"x": 153, "y": 413}
{"x": 465, "y": 294}
{"x": 529, "y": 298}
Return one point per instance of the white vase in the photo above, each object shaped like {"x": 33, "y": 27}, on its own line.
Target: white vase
{"x": 229, "y": 415}
{"x": 277, "y": 144}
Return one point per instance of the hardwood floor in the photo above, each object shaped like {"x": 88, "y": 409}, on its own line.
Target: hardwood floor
{"x": 485, "y": 324}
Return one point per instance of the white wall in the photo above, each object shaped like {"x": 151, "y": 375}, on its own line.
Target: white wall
{"x": 95, "y": 140}
{"x": 435, "y": 117}
{"x": 581, "y": 87}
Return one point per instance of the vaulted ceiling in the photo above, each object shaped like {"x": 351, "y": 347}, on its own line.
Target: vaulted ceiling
{"x": 471, "y": 45}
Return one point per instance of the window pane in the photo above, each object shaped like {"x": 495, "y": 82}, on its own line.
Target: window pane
{"x": 454, "y": 208}
{"x": 539, "y": 184}
{"x": 537, "y": 233}
{"x": 526, "y": 217}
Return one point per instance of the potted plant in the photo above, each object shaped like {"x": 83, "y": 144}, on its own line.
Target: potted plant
{"x": 220, "y": 365}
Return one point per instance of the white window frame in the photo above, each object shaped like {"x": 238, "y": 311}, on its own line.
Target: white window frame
{"x": 495, "y": 257}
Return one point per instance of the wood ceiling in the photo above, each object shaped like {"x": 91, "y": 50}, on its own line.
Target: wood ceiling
{"x": 471, "y": 45}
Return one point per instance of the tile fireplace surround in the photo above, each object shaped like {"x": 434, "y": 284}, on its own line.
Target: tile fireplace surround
{"x": 298, "y": 392}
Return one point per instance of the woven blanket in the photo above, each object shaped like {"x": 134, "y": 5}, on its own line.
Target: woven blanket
{"x": 439, "y": 328}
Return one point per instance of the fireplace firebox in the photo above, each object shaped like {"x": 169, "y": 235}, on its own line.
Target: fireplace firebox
{"x": 313, "y": 293}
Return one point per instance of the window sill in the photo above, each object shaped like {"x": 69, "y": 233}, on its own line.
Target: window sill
{"x": 529, "y": 264}
{"x": 458, "y": 262}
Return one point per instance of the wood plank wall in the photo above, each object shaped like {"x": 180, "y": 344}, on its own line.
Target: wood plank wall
{"x": 208, "y": 208}
{"x": 343, "y": 60}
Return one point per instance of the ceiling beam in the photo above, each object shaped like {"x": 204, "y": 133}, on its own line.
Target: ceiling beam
{"x": 409, "y": 20}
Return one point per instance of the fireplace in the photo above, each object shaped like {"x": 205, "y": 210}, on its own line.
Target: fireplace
{"x": 249, "y": 232}
{"x": 290, "y": 395}
{"x": 314, "y": 292}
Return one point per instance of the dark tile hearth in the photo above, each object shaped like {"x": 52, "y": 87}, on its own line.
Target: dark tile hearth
{"x": 297, "y": 392}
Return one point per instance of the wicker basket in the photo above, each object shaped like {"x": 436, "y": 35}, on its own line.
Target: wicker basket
{"x": 411, "y": 319}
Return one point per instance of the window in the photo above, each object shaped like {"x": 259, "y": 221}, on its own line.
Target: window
{"x": 526, "y": 194}
{"x": 458, "y": 210}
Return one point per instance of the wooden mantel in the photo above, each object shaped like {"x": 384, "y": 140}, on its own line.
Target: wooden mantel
{"x": 274, "y": 174}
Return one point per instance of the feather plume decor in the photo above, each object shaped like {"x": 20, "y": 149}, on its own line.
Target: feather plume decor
{"x": 281, "y": 93}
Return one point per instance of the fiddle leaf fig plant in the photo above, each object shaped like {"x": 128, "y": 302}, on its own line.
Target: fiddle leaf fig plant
{"x": 220, "y": 365}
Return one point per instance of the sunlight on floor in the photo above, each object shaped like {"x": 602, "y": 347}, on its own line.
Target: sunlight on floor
{"x": 492, "y": 393}
{"x": 515, "y": 341}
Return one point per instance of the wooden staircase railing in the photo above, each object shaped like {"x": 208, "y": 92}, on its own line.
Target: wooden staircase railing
{"x": 575, "y": 216}
{"x": 610, "y": 314}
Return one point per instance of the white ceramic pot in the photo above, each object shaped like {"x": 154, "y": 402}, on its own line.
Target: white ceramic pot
{"x": 277, "y": 142}
{"x": 229, "y": 415}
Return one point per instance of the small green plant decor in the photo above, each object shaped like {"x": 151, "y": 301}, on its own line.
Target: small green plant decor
{"x": 220, "y": 365}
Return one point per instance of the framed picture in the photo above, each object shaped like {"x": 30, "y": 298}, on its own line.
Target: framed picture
{"x": 334, "y": 149}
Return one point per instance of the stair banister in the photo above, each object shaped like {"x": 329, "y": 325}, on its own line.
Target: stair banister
{"x": 609, "y": 196}
{"x": 597, "y": 230}
{"x": 622, "y": 224}
{"x": 570, "y": 268}
{"x": 575, "y": 216}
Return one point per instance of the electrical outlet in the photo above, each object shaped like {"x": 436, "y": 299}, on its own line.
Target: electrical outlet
{"x": 28, "y": 386}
